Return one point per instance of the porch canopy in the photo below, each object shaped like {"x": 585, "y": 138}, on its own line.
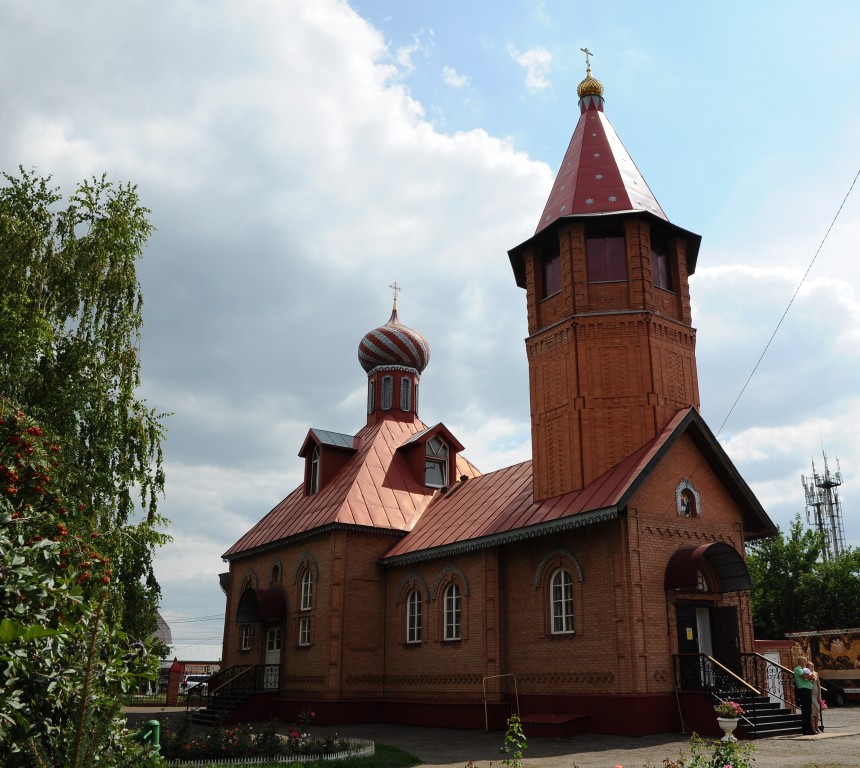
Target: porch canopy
{"x": 683, "y": 567}
{"x": 261, "y": 606}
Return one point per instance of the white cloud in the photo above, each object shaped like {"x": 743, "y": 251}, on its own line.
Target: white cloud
{"x": 536, "y": 62}
{"x": 422, "y": 43}
{"x": 451, "y": 77}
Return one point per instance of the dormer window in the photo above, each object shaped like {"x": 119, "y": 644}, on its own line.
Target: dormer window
{"x": 314, "y": 473}
{"x": 436, "y": 467}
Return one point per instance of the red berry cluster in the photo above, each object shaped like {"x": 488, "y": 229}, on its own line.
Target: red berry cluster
{"x": 26, "y": 483}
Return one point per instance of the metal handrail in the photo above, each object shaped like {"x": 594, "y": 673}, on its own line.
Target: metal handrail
{"x": 484, "y": 686}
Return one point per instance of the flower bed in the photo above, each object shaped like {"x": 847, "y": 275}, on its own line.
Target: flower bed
{"x": 243, "y": 744}
{"x": 355, "y": 748}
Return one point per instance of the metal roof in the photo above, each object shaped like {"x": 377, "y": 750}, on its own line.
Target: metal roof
{"x": 335, "y": 439}
{"x": 597, "y": 174}
{"x": 499, "y": 507}
{"x": 376, "y": 488}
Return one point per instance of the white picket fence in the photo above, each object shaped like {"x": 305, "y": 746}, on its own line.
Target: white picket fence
{"x": 357, "y": 748}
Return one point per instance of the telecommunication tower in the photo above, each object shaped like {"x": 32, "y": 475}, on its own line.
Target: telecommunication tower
{"x": 823, "y": 509}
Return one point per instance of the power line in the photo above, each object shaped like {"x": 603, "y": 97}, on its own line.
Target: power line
{"x": 799, "y": 286}
{"x": 191, "y": 619}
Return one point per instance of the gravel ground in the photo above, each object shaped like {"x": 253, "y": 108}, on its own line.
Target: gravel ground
{"x": 838, "y": 747}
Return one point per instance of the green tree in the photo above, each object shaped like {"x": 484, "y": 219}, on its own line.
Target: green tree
{"x": 70, "y": 320}
{"x": 782, "y": 570}
{"x": 795, "y": 589}
{"x": 65, "y": 667}
{"x": 834, "y": 601}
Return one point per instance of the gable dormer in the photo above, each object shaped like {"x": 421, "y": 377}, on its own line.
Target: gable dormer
{"x": 432, "y": 456}
{"x": 325, "y": 453}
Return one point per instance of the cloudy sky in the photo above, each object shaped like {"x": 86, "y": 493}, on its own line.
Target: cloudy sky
{"x": 299, "y": 156}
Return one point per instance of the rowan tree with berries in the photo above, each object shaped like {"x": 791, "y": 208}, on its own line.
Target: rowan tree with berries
{"x": 65, "y": 665}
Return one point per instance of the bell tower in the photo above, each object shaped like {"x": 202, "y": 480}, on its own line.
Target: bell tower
{"x": 611, "y": 347}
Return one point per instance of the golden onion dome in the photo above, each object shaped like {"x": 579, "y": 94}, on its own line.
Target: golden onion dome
{"x": 590, "y": 86}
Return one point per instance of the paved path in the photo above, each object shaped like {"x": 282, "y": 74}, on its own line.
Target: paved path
{"x": 839, "y": 747}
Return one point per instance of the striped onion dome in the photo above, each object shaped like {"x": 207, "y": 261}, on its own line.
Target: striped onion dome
{"x": 393, "y": 344}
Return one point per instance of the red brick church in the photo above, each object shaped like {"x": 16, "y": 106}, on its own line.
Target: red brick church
{"x": 399, "y": 584}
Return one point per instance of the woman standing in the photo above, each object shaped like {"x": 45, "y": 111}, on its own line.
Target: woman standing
{"x": 816, "y": 700}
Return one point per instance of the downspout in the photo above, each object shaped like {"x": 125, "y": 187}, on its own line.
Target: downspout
{"x": 384, "y": 628}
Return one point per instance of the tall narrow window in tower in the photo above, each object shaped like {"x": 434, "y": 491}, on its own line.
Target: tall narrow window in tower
{"x": 314, "y": 472}
{"x": 371, "y": 397}
{"x": 436, "y": 472}
{"x": 550, "y": 268}
{"x": 413, "y": 617}
{"x": 405, "y": 394}
{"x": 661, "y": 267}
{"x": 452, "y": 613}
{"x": 561, "y": 600}
{"x": 606, "y": 254}
{"x": 387, "y": 392}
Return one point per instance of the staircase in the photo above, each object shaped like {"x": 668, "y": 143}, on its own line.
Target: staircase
{"x": 764, "y": 718}
{"x": 228, "y": 689}
{"x": 219, "y": 706}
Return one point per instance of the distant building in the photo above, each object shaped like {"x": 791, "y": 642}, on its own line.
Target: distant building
{"x": 399, "y": 584}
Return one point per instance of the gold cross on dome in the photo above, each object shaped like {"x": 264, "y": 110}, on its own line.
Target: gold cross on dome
{"x": 395, "y": 288}
{"x": 587, "y": 54}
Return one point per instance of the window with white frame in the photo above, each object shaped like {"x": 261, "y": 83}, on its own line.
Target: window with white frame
{"x": 561, "y": 602}
{"x": 307, "y": 599}
{"x": 314, "y": 474}
{"x": 413, "y": 617}
{"x": 452, "y": 607}
{"x": 246, "y": 640}
{"x": 436, "y": 466}
{"x": 371, "y": 397}
{"x": 273, "y": 639}
{"x": 305, "y": 631}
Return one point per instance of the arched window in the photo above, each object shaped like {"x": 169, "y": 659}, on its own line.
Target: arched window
{"x": 276, "y": 573}
{"x": 387, "y": 392}
{"x": 561, "y": 601}
{"x": 452, "y": 607}
{"x": 371, "y": 396}
{"x": 307, "y": 596}
{"x": 405, "y": 394}
{"x": 436, "y": 472}
{"x": 413, "y": 617}
{"x": 314, "y": 472}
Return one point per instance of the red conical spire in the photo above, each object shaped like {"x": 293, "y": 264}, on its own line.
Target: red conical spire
{"x": 597, "y": 174}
